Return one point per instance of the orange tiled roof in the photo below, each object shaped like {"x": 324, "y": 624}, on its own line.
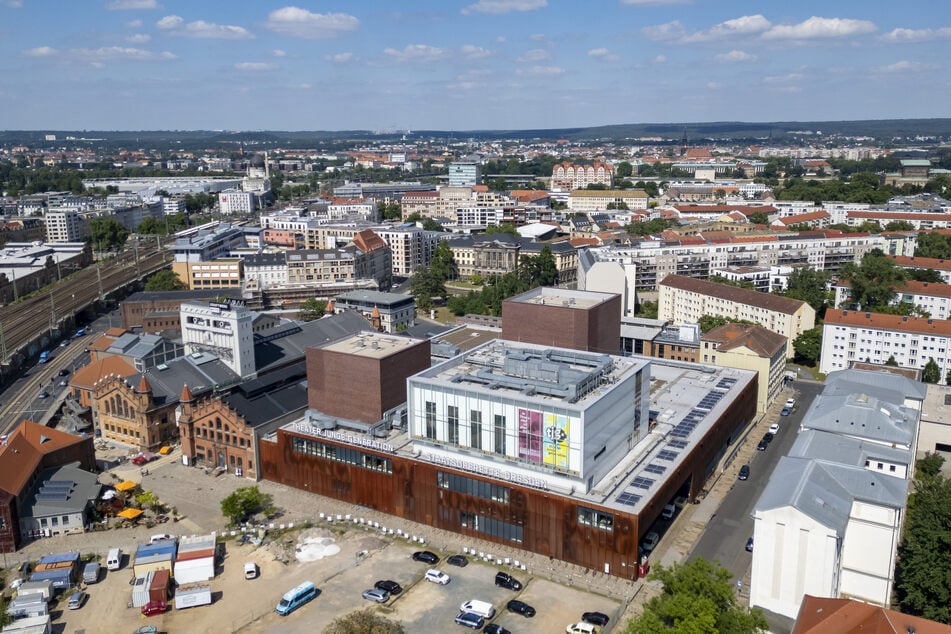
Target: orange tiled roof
{"x": 584, "y": 242}
{"x": 881, "y": 321}
{"x": 25, "y": 447}
{"x": 821, "y": 615}
{"x": 368, "y": 241}
{"x": 915, "y": 262}
{"x": 807, "y": 217}
{"x": 87, "y": 376}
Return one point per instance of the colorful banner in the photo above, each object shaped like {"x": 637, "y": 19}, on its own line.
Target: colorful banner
{"x": 529, "y": 435}
{"x": 556, "y": 440}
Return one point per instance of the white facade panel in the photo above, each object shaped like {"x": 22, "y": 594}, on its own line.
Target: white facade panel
{"x": 194, "y": 570}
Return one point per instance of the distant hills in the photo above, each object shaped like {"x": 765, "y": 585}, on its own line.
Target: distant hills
{"x": 882, "y": 130}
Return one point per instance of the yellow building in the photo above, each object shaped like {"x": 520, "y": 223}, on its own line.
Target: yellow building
{"x": 209, "y": 275}
{"x": 748, "y": 347}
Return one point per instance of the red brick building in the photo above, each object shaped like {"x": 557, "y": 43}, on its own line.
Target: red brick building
{"x": 581, "y": 320}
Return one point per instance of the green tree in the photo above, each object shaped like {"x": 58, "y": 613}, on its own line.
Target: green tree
{"x": 425, "y": 285}
{"x": 391, "y": 211}
{"x": 443, "y": 264}
{"x": 899, "y": 225}
{"x": 709, "y": 322}
{"x": 647, "y": 310}
{"x": 809, "y": 285}
{"x": 808, "y": 346}
{"x": 244, "y": 503}
{"x": 505, "y": 227}
{"x": 933, "y": 245}
{"x": 947, "y": 378}
{"x": 926, "y": 275}
{"x": 873, "y": 282}
{"x": 498, "y": 184}
{"x": 311, "y": 309}
{"x": 698, "y": 598}
{"x": 539, "y": 270}
{"x": 892, "y": 362}
{"x": 923, "y": 569}
{"x": 931, "y": 372}
{"x": 106, "y": 233}
{"x": 758, "y": 218}
{"x": 364, "y": 622}
{"x": 624, "y": 170}
{"x": 164, "y": 280}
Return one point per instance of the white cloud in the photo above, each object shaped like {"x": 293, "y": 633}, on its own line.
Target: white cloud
{"x": 14, "y": 4}
{"x": 816, "y": 27}
{"x": 541, "y": 71}
{"x": 298, "y": 22}
{"x": 713, "y": 85}
{"x": 504, "y": 6}
{"x": 917, "y": 35}
{"x": 416, "y": 53}
{"x": 98, "y": 56}
{"x": 664, "y": 32}
{"x": 603, "y": 54}
{"x": 204, "y": 30}
{"x": 470, "y": 51}
{"x": 735, "y": 56}
{"x": 737, "y": 27}
{"x": 500, "y": 39}
{"x": 534, "y": 55}
{"x": 904, "y": 66}
{"x": 254, "y": 66}
{"x": 119, "y": 5}
{"x": 139, "y": 38}
{"x": 660, "y": 59}
{"x": 279, "y": 53}
{"x": 40, "y": 51}
{"x": 339, "y": 58}
{"x": 134, "y": 24}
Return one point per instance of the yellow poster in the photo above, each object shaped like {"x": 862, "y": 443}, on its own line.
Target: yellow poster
{"x": 556, "y": 440}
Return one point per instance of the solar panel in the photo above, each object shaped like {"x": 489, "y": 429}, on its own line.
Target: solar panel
{"x": 642, "y": 483}
{"x": 677, "y": 444}
{"x": 630, "y": 499}
{"x": 667, "y": 455}
{"x": 655, "y": 468}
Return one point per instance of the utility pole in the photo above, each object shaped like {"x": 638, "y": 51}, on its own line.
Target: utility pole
{"x": 52, "y": 314}
{"x": 99, "y": 278}
{"x": 3, "y": 345}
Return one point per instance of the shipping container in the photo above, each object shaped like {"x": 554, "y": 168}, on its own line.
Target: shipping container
{"x": 61, "y": 579}
{"x": 158, "y": 586}
{"x": 192, "y": 596}
{"x": 71, "y": 558}
{"x": 140, "y": 589}
{"x": 31, "y": 605}
{"x": 30, "y": 625}
{"x": 44, "y": 588}
{"x": 194, "y": 566}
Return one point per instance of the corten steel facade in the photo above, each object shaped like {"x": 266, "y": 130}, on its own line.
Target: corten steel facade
{"x": 540, "y": 521}
{"x": 360, "y": 382}
{"x": 580, "y": 320}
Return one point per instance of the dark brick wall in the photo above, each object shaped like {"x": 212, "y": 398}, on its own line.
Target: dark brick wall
{"x": 596, "y": 329}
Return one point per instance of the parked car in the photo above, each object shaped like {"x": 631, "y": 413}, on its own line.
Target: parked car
{"x": 161, "y": 537}
{"x": 458, "y": 560}
{"x": 64, "y": 372}
{"x": 786, "y": 411}
{"x": 76, "y": 600}
{"x": 154, "y": 608}
{"x": 437, "y": 576}
{"x": 495, "y": 628}
{"x": 790, "y": 402}
{"x": 762, "y": 445}
{"x": 251, "y": 570}
{"x": 375, "y": 594}
{"x": 597, "y": 618}
{"x": 768, "y": 437}
{"x": 470, "y": 620}
{"x": 669, "y": 511}
{"x": 507, "y": 581}
{"x": 390, "y": 586}
{"x": 581, "y": 628}
{"x": 650, "y": 542}
{"x": 426, "y": 557}
{"x": 749, "y": 545}
{"x": 744, "y": 472}
{"x": 773, "y": 429}
{"x": 520, "y": 607}
{"x": 146, "y": 629}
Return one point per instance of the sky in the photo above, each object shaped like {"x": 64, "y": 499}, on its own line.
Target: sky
{"x": 392, "y": 65}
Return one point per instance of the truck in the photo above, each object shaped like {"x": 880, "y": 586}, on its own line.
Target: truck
{"x": 91, "y": 572}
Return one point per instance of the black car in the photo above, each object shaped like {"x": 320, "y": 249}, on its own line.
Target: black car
{"x": 458, "y": 560}
{"x": 768, "y": 437}
{"x": 43, "y": 394}
{"x": 744, "y": 472}
{"x": 507, "y": 581}
{"x": 495, "y": 628}
{"x": 595, "y": 618}
{"x": 426, "y": 557}
{"x": 749, "y": 545}
{"x": 64, "y": 372}
{"x": 520, "y": 607}
{"x": 762, "y": 445}
{"x": 390, "y": 586}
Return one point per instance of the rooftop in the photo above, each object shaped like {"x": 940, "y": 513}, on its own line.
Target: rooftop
{"x": 379, "y": 298}
{"x": 882, "y": 321}
{"x": 61, "y": 490}
{"x": 547, "y": 295}
{"x": 766, "y": 301}
{"x": 371, "y": 344}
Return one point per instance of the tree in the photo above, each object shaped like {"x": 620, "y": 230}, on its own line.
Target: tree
{"x": 923, "y": 569}
{"x": 245, "y": 502}
{"x": 391, "y": 211}
{"x": 808, "y": 345}
{"x": 926, "y": 275}
{"x": 505, "y": 227}
{"x": 624, "y": 170}
{"x": 892, "y": 362}
{"x": 709, "y": 322}
{"x": 899, "y": 225}
{"x": 443, "y": 264}
{"x": 873, "y": 282}
{"x": 425, "y": 285}
{"x": 646, "y": 309}
{"x": 809, "y": 285}
{"x": 933, "y": 245}
{"x": 364, "y": 622}
{"x": 106, "y": 233}
{"x": 311, "y": 309}
{"x": 932, "y": 372}
{"x": 947, "y": 378}
{"x": 698, "y": 597}
{"x": 758, "y": 218}
{"x": 164, "y": 280}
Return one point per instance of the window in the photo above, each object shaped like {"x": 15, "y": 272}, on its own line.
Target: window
{"x": 500, "y": 434}
{"x": 472, "y": 486}
{"x": 597, "y": 519}
{"x": 475, "y": 429}
{"x": 452, "y": 417}
{"x": 341, "y": 454}
{"x": 431, "y": 420}
{"x": 491, "y": 526}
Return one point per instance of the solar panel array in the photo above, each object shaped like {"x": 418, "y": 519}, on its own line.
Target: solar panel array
{"x": 655, "y": 468}
{"x": 666, "y": 454}
{"x": 629, "y": 499}
{"x": 55, "y": 491}
{"x": 688, "y": 424}
{"x": 676, "y": 443}
{"x": 726, "y": 383}
{"x": 709, "y": 401}
{"x": 642, "y": 483}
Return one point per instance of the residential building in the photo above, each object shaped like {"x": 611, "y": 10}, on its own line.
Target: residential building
{"x": 387, "y": 312}
{"x": 684, "y": 300}
{"x": 918, "y": 220}
{"x": 211, "y": 274}
{"x": 59, "y": 502}
{"x": 850, "y": 336}
{"x": 64, "y": 225}
{"x": 235, "y": 202}
{"x": 580, "y": 320}
{"x": 911, "y": 262}
{"x": 209, "y": 244}
{"x": 748, "y": 347}
{"x": 829, "y": 521}
{"x": 930, "y": 297}
{"x": 675, "y": 343}
{"x": 463, "y": 174}
{"x": 820, "y": 615}
{"x": 265, "y": 270}
{"x": 571, "y": 176}
{"x": 499, "y": 253}
{"x": 589, "y": 200}
{"x": 173, "y": 206}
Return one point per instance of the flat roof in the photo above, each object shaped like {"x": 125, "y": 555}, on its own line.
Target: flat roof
{"x": 547, "y": 295}
{"x": 371, "y": 344}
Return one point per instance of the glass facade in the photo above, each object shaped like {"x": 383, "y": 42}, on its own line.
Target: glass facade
{"x": 342, "y": 454}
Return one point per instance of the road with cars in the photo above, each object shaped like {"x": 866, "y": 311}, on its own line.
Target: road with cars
{"x": 725, "y": 537}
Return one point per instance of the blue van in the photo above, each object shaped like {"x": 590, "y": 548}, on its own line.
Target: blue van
{"x": 296, "y": 597}
{"x": 44, "y": 356}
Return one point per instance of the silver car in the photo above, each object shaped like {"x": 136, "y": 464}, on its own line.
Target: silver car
{"x": 375, "y": 594}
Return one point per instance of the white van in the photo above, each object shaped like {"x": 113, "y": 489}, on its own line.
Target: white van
{"x": 250, "y": 570}
{"x": 483, "y": 609}
{"x": 114, "y": 559}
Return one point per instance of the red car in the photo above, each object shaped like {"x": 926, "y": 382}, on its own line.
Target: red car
{"x": 153, "y": 608}
{"x": 140, "y": 460}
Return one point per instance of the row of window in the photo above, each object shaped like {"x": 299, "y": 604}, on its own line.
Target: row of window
{"x": 342, "y": 454}
{"x": 597, "y": 519}
{"x": 499, "y": 445}
{"x": 491, "y": 526}
{"x": 473, "y": 487}
{"x": 54, "y": 521}
{"x": 121, "y": 430}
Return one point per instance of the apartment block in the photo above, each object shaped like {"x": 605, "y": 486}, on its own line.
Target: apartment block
{"x": 588, "y": 200}
{"x": 571, "y": 176}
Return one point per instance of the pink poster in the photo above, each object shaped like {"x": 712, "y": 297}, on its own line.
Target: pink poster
{"x": 530, "y": 435}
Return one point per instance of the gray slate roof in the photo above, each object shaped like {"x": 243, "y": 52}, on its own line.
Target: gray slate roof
{"x": 85, "y": 487}
{"x": 273, "y": 351}
{"x": 822, "y": 445}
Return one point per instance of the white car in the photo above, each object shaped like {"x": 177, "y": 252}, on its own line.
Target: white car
{"x": 650, "y": 542}
{"x": 774, "y": 428}
{"x": 437, "y": 576}
{"x": 790, "y": 402}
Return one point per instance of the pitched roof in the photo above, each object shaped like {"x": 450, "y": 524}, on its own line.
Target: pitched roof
{"x": 761, "y": 341}
{"x": 881, "y": 321}
{"x": 921, "y": 263}
{"x": 25, "y": 447}
{"x": 89, "y": 374}
{"x": 368, "y": 241}
{"x": 766, "y": 301}
{"x": 807, "y": 217}
{"x": 821, "y": 615}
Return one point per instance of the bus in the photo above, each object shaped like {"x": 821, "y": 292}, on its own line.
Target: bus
{"x": 44, "y": 356}
{"x": 295, "y": 598}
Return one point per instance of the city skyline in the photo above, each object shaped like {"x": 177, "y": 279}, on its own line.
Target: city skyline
{"x": 465, "y": 65}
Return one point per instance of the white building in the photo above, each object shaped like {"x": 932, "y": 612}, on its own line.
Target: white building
{"x": 64, "y": 226}
{"x": 463, "y": 174}
{"x": 850, "y": 336}
{"x": 173, "y": 206}
{"x": 829, "y": 521}
{"x": 223, "y": 330}
{"x": 264, "y": 271}
{"x": 236, "y": 202}
{"x": 931, "y": 297}
{"x": 589, "y": 200}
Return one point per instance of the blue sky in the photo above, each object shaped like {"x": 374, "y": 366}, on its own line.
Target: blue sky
{"x": 466, "y": 65}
